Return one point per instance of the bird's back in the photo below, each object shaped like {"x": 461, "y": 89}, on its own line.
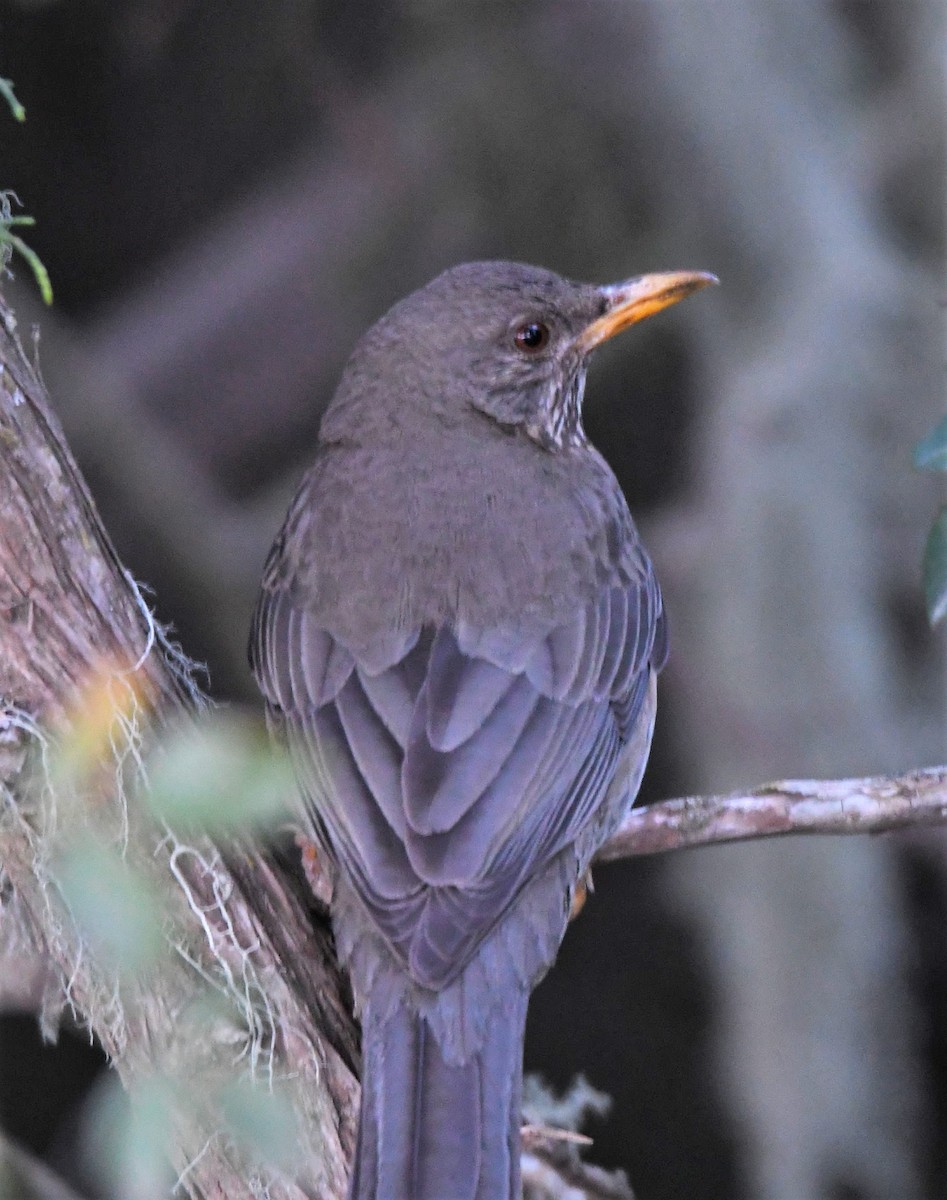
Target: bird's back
{"x": 486, "y": 530}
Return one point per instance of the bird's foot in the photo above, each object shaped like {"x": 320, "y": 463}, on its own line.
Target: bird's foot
{"x": 317, "y": 876}
{"x": 582, "y": 891}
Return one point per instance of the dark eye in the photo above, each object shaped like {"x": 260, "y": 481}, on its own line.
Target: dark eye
{"x": 531, "y": 337}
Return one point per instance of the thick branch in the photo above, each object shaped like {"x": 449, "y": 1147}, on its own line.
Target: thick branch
{"x": 876, "y": 804}
{"x": 238, "y": 928}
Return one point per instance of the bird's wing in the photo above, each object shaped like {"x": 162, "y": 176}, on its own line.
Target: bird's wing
{"x": 445, "y": 768}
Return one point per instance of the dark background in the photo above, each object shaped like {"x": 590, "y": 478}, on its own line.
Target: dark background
{"x": 227, "y": 195}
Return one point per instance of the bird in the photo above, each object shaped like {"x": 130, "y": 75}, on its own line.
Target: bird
{"x": 457, "y": 637}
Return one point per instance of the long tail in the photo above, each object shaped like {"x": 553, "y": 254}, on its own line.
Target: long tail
{"x": 434, "y": 1130}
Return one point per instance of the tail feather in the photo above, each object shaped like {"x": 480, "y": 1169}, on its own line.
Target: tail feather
{"x": 432, "y": 1129}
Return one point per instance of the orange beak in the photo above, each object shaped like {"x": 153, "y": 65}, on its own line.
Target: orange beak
{"x": 638, "y": 298}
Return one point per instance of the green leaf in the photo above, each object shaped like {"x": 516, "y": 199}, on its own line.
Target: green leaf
{"x": 931, "y": 452}
{"x": 115, "y": 908}
{"x": 935, "y": 569}
{"x": 10, "y": 241}
{"x": 222, "y": 776}
{"x": 263, "y": 1122}
{"x": 129, "y": 1143}
{"x": 40, "y": 274}
{"x": 6, "y": 91}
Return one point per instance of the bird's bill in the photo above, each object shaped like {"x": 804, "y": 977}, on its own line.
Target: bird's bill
{"x": 635, "y": 299}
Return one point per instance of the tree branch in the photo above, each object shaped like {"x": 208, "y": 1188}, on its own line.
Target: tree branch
{"x": 236, "y": 927}
{"x": 876, "y": 804}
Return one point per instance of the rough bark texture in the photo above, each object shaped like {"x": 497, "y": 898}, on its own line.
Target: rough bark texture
{"x": 68, "y": 607}
{"x": 916, "y": 800}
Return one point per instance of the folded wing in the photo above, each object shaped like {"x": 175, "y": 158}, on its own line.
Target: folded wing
{"x": 444, "y": 767}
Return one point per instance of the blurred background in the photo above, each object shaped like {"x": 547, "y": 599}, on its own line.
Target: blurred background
{"x": 226, "y": 196}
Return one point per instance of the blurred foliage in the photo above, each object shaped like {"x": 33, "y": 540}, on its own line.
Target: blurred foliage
{"x": 116, "y": 907}
{"x": 100, "y": 723}
{"x": 221, "y": 776}
{"x": 6, "y": 91}
{"x": 128, "y": 1143}
{"x": 215, "y": 775}
{"x": 263, "y": 1123}
{"x": 931, "y": 454}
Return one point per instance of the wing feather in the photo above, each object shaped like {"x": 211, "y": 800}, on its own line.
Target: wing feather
{"x": 439, "y": 788}
{"x": 461, "y": 694}
{"x": 444, "y": 769}
{"x": 616, "y": 640}
{"x": 358, "y": 834}
{"x": 374, "y": 751}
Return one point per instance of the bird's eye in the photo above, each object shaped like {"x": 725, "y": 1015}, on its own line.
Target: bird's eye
{"x": 532, "y": 337}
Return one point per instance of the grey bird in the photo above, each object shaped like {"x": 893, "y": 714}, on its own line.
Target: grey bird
{"x": 458, "y": 637}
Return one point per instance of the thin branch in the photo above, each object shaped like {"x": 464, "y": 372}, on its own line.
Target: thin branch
{"x": 876, "y": 804}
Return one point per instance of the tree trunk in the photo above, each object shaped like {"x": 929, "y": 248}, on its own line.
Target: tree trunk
{"x": 236, "y": 922}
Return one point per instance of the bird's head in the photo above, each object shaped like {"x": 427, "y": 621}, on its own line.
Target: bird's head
{"x": 508, "y": 341}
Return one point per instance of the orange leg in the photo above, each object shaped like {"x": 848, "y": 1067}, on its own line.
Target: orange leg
{"x": 317, "y": 875}
{"x": 580, "y": 895}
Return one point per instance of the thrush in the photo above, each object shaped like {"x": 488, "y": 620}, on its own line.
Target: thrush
{"x": 458, "y": 637}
